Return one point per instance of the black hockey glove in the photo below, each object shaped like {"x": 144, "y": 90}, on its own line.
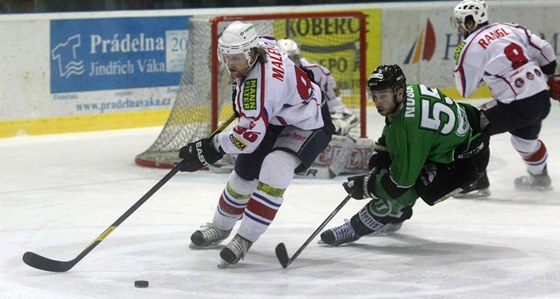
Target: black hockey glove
{"x": 360, "y": 187}
{"x": 199, "y": 154}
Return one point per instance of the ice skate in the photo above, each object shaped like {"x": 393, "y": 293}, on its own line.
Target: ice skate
{"x": 534, "y": 182}
{"x": 234, "y": 251}
{"x": 479, "y": 188}
{"x": 339, "y": 235}
{"x": 208, "y": 235}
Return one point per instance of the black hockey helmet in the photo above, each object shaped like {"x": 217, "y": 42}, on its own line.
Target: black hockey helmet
{"x": 387, "y": 76}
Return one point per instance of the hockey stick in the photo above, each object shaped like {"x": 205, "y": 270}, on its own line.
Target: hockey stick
{"x": 282, "y": 253}
{"x": 40, "y": 262}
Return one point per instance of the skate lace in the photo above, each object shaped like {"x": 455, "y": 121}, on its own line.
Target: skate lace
{"x": 344, "y": 231}
{"x": 212, "y": 233}
{"x": 239, "y": 246}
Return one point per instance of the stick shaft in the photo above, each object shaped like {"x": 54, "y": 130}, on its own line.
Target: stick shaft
{"x": 313, "y": 235}
{"x": 37, "y": 261}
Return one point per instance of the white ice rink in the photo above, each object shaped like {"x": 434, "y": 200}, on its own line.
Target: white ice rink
{"x": 59, "y": 192}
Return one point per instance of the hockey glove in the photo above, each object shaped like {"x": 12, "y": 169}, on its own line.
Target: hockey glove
{"x": 343, "y": 123}
{"x": 199, "y": 154}
{"x": 360, "y": 187}
{"x": 554, "y": 84}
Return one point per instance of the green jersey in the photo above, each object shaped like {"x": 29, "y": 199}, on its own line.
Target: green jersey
{"x": 429, "y": 127}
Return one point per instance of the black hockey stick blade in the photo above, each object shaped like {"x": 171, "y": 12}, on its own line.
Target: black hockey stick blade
{"x": 42, "y": 263}
{"x": 282, "y": 255}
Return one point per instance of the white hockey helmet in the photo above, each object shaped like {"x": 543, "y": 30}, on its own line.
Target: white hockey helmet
{"x": 477, "y": 9}
{"x": 289, "y": 47}
{"x": 238, "y": 38}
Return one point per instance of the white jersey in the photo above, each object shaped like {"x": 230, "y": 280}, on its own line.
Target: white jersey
{"x": 326, "y": 81}
{"x": 507, "y": 57}
{"x": 276, "y": 92}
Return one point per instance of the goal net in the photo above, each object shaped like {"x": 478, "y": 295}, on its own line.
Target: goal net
{"x": 335, "y": 40}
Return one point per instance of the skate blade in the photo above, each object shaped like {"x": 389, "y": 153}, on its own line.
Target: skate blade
{"x": 223, "y": 264}
{"x": 474, "y": 194}
{"x": 534, "y": 188}
{"x": 210, "y": 246}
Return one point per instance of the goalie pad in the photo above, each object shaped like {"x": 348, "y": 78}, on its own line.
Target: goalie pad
{"x": 343, "y": 155}
{"x": 554, "y": 84}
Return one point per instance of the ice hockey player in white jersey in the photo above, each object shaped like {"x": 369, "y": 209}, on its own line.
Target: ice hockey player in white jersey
{"x": 282, "y": 127}
{"x": 343, "y": 118}
{"x": 515, "y": 64}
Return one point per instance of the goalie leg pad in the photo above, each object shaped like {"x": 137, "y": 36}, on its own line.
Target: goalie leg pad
{"x": 343, "y": 155}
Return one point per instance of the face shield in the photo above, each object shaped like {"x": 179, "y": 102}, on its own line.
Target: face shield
{"x": 237, "y": 64}
{"x": 385, "y": 95}
{"x": 456, "y": 21}
{"x": 238, "y": 58}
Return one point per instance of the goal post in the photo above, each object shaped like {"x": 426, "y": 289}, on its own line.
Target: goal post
{"x": 336, "y": 40}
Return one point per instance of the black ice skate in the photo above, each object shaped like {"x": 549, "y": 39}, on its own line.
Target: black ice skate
{"x": 479, "y": 188}
{"x": 234, "y": 251}
{"x": 339, "y": 235}
{"x": 208, "y": 235}
{"x": 534, "y": 182}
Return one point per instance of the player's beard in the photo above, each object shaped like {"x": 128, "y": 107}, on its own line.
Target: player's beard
{"x": 236, "y": 73}
{"x": 465, "y": 32}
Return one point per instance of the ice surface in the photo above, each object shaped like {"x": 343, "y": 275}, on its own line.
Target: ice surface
{"x": 59, "y": 192}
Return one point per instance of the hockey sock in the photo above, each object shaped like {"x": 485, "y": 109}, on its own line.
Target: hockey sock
{"x": 533, "y": 153}
{"x": 364, "y": 222}
{"x": 233, "y": 201}
{"x": 276, "y": 174}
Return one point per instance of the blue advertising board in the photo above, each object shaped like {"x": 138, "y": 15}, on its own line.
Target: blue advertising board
{"x": 117, "y": 53}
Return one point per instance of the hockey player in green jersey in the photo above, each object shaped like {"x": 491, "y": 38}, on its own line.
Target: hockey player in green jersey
{"x": 431, "y": 148}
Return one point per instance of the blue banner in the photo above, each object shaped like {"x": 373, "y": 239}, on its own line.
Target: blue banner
{"x": 117, "y": 53}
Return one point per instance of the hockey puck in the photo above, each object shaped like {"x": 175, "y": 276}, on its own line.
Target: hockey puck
{"x": 141, "y": 283}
